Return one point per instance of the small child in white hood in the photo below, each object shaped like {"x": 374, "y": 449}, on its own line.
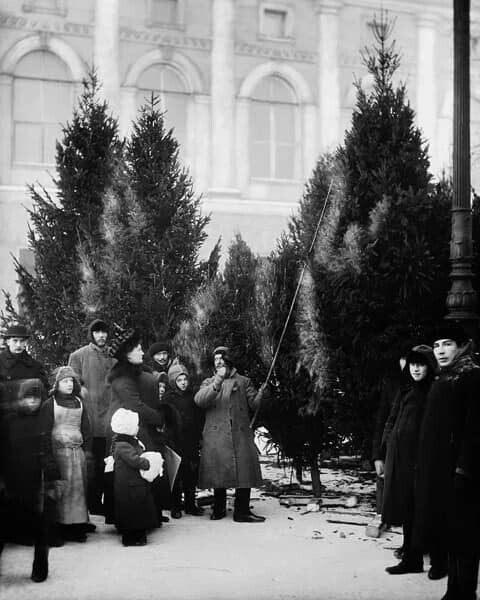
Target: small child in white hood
{"x": 134, "y": 507}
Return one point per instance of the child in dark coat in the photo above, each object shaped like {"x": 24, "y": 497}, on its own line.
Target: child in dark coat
{"x": 184, "y": 439}
{"x": 134, "y": 507}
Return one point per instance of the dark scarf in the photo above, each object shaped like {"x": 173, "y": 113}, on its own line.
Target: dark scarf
{"x": 462, "y": 363}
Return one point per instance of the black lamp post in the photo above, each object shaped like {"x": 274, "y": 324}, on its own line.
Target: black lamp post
{"x": 462, "y": 298}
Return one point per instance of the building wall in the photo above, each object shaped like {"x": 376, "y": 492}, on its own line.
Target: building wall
{"x": 218, "y": 56}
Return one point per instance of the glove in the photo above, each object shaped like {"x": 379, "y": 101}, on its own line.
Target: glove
{"x": 218, "y": 380}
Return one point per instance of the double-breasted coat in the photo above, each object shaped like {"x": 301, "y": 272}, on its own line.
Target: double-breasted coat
{"x": 229, "y": 457}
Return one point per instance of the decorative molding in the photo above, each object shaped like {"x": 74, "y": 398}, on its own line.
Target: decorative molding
{"x": 42, "y": 24}
{"x": 294, "y": 78}
{"x": 282, "y": 53}
{"x": 164, "y": 39}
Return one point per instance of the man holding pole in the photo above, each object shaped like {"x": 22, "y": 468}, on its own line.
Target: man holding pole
{"x": 229, "y": 458}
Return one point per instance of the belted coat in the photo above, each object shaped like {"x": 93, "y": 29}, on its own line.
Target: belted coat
{"x": 229, "y": 457}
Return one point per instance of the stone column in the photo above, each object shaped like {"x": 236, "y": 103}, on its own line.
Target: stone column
{"x": 201, "y": 131}
{"x": 427, "y": 110}
{"x": 328, "y": 72}
{"x": 106, "y": 50}
{"x": 462, "y": 298}
{"x": 6, "y": 123}
{"x": 223, "y": 96}
{"x": 310, "y": 153}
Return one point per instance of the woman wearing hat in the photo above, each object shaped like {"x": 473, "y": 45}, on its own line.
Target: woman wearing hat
{"x": 400, "y": 442}
{"x": 448, "y": 470}
{"x": 133, "y": 388}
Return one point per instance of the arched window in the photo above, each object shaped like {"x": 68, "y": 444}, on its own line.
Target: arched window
{"x": 42, "y": 101}
{"x": 166, "y": 83}
{"x": 274, "y": 130}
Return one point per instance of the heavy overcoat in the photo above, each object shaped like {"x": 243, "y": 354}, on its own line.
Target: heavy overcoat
{"x": 448, "y": 470}
{"x": 133, "y": 500}
{"x": 400, "y": 438}
{"x": 135, "y": 389}
{"x": 93, "y": 364}
{"x": 229, "y": 457}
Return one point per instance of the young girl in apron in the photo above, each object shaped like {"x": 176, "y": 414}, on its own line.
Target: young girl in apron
{"x": 70, "y": 436}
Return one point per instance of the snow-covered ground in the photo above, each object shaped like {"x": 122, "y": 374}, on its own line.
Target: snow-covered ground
{"x": 295, "y": 554}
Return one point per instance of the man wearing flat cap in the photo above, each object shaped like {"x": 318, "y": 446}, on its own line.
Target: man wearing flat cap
{"x": 92, "y": 363}
{"x": 229, "y": 458}
{"x": 448, "y": 468}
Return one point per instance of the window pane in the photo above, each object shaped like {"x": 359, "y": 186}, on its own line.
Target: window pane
{"x": 57, "y": 101}
{"x": 284, "y": 123}
{"x": 285, "y": 161}
{"x": 274, "y": 23}
{"x": 151, "y": 78}
{"x": 280, "y": 90}
{"x": 28, "y": 142}
{"x": 164, "y": 11}
{"x": 27, "y": 100}
{"x": 52, "y": 131}
{"x": 262, "y": 91}
{"x": 176, "y": 115}
{"x": 260, "y": 122}
{"x": 260, "y": 159}
{"x": 42, "y": 64}
{"x": 171, "y": 81}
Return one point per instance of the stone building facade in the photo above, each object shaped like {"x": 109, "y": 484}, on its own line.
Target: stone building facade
{"x": 255, "y": 90}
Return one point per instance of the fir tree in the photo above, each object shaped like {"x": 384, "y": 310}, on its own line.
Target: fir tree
{"x": 50, "y": 296}
{"x": 380, "y": 269}
{"x": 154, "y": 229}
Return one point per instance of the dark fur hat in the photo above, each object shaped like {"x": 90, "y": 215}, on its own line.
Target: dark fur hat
{"x": 123, "y": 342}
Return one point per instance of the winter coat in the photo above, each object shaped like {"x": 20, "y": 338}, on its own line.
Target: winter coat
{"x": 17, "y": 368}
{"x": 93, "y": 364}
{"x": 229, "y": 457}
{"x": 385, "y": 395}
{"x": 134, "y": 389}
{"x": 449, "y": 444}
{"x": 133, "y": 500}
{"x": 400, "y": 438}
{"x": 27, "y": 458}
{"x": 185, "y": 436}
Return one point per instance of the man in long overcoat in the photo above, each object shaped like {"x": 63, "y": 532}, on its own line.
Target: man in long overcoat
{"x": 448, "y": 469}
{"x": 229, "y": 457}
{"x": 92, "y": 363}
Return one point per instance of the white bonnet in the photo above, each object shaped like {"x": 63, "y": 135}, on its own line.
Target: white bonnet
{"x": 125, "y": 421}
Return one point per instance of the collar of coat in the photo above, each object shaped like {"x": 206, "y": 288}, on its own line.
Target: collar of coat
{"x": 104, "y": 350}
{"x": 9, "y": 359}
{"x": 463, "y": 363}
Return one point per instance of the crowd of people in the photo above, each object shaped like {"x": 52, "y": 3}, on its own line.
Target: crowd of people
{"x": 122, "y": 434}
{"x": 117, "y": 433}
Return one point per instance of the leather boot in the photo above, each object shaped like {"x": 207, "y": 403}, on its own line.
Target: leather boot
{"x": 40, "y": 563}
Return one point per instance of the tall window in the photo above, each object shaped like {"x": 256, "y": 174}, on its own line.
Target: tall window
{"x": 42, "y": 101}
{"x": 274, "y": 23}
{"x": 166, "y": 83}
{"x": 274, "y": 146}
{"x": 56, "y": 7}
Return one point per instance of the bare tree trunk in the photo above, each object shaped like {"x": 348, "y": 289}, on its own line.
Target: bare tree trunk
{"x": 298, "y": 471}
{"x": 315, "y": 472}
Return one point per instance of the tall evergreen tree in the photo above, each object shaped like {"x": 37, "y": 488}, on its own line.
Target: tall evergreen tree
{"x": 50, "y": 296}
{"x": 380, "y": 269}
{"x": 154, "y": 229}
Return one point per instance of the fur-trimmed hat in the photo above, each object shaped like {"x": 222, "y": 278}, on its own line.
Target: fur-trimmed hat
{"x": 123, "y": 342}
{"x": 125, "y": 421}
{"x": 450, "y": 330}
{"x": 97, "y": 325}
{"x": 159, "y": 346}
{"x": 224, "y": 351}
{"x": 16, "y": 331}
{"x": 422, "y": 355}
{"x": 64, "y": 372}
{"x": 174, "y": 373}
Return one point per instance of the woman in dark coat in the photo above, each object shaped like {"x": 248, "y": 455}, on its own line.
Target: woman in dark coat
{"x": 135, "y": 511}
{"x": 133, "y": 388}
{"x": 448, "y": 471}
{"x": 400, "y": 439}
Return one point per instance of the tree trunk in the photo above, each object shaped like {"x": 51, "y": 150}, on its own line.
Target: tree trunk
{"x": 315, "y": 472}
